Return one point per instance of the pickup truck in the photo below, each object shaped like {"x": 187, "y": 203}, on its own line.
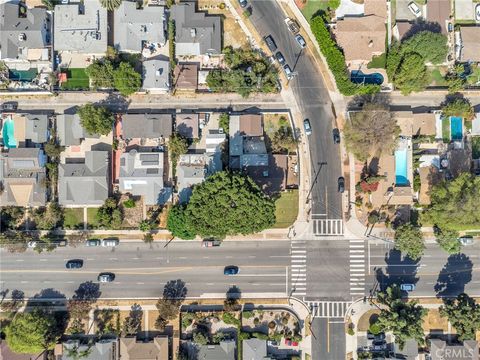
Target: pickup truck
{"x": 292, "y": 25}
{"x": 210, "y": 243}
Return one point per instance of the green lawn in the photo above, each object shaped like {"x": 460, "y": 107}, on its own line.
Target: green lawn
{"x": 77, "y": 79}
{"x": 73, "y": 218}
{"x": 474, "y": 77}
{"x": 286, "y": 209}
{"x": 437, "y": 79}
{"x": 446, "y": 130}
{"x": 91, "y": 218}
{"x": 312, "y": 6}
{"x": 378, "y": 62}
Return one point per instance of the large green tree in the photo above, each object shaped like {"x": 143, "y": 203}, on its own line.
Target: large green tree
{"x": 31, "y": 332}
{"x": 126, "y": 79}
{"x": 48, "y": 217}
{"x": 464, "y": 314}
{"x": 411, "y": 74}
{"x": 455, "y": 203}
{"x": 459, "y": 107}
{"x": 448, "y": 240}
{"x": 100, "y": 74}
{"x": 409, "y": 240}
{"x": 371, "y": 131}
{"x": 432, "y": 47}
{"x": 177, "y": 223}
{"x": 109, "y": 214}
{"x": 403, "y": 319}
{"x": 96, "y": 119}
{"x": 177, "y": 145}
{"x": 229, "y": 204}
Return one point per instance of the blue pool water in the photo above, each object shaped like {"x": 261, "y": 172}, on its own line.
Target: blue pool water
{"x": 456, "y": 128}
{"x": 8, "y": 134}
{"x": 358, "y": 77}
{"x": 401, "y": 167}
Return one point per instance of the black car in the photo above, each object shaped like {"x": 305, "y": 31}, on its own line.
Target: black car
{"x": 93, "y": 242}
{"x": 74, "y": 264}
{"x": 336, "y": 136}
{"x": 341, "y": 184}
{"x": 231, "y": 270}
{"x": 270, "y": 43}
{"x": 10, "y": 106}
{"x": 280, "y": 58}
{"x": 242, "y": 3}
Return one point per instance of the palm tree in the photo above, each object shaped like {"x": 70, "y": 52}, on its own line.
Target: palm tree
{"x": 111, "y": 4}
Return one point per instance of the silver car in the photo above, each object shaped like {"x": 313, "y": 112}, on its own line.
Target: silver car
{"x": 466, "y": 240}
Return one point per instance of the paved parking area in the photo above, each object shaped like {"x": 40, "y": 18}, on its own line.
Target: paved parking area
{"x": 403, "y": 13}
{"x": 464, "y": 10}
{"x": 348, "y": 7}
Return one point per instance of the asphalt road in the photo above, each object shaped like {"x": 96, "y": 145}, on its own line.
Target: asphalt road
{"x": 142, "y": 271}
{"x": 328, "y": 338}
{"x": 315, "y": 104}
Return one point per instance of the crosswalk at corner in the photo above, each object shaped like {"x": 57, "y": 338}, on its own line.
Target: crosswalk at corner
{"x": 357, "y": 267}
{"x": 327, "y": 227}
{"x": 328, "y": 309}
{"x": 298, "y": 268}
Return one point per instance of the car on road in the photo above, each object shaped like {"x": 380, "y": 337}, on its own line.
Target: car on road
{"x": 231, "y": 270}
{"x": 270, "y": 43}
{"x": 415, "y": 9}
{"x": 307, "y": 127}
{"x": 105, "y": 277}
{"x": 292, "y": 25}
{"x": 243, "y": 3}
{"x": 288, "y": 71}
{"x": 32, "y": 244}
{"x": 74, "y": 264}
{"x": 301, "y": 41}
{"x": 336, "y": 136}
{"x": 341, "y": 184}
{"x": 407, "y": 287}
{"x": 10, "y": 106}
{"x": 280, "y": 58}
{"x": 110, "y": 242}
{"x": 93, "y": 242}
{"x": 211, "y": 242}
{"x": 466, "y": 240}
{"x": 477, "y": 12}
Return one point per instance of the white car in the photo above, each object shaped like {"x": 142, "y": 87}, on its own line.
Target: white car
{"x": 415, "y": 9}
{"x": 477, "y": 12}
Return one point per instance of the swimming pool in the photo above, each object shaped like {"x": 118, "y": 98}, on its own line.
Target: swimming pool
{"x": 456, "y": 128}
{"x": 8, "y": 134}
{"x": 401, "y": 167}
{"x": 22, "y": 75}
{"x": 358, "y": 77}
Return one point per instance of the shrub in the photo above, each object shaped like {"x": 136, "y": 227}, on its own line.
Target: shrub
{"x": 256, "y": 321}
{"x": 350, "y": 331}
{"x": 230, "y": 319}
{"x": 187, "y": 320}
{"x": 272, "y": 325}
{"x": 374, "y": 329}
{"x": 260, "y": 336}
{"x": 247, "y": 314}
{"x": 130, "y": 203}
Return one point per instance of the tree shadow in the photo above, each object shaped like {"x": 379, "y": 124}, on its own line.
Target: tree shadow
{"x": 87, "y": 291}
{"x": 12, "y": 302}
{"x": 175, "y": 290}
{"x": 115, "y": 102}
{"x": 422, "y": 25}
{"x": 232, "y": 296}
{"x": 133, "y": 323}
{"x": 399, "y": 270}
{"x": 453, "y": 277}
{"x": 47, "y": 297}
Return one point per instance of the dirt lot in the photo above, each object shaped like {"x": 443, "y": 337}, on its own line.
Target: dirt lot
{"x": 434, "y": 322}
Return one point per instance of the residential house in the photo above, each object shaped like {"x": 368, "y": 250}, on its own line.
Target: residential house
{"x": 29, "y": 130}
{"x": 138, "y": 28}
{"x": 186, "y": 77}
{"x": 439, "y": 350}
{"x": 22, "y": 177}
{"x": 156, "y": 75}
{"x": 81, "y": 28}
{"x": 254, "y": 349}
{"x": 100, "y": 350}
{"x": 84, "y": 182}
{"x": 141, "y": 174}
{"x": 191, "y": 170}
{"x": 147, "y": 126}
{"x": 196, "y": 33}
{"x": 131, "y": 349}
{"x": 187, "y": 125}
{"x": 470, "y": 49}
{"x": 25, "y": 35}
{"x": 439, "y": 11}
{"x": 7, "y": 354}
{"x": 36, "y": 130}
{"x": 70, "y": 130}
{"x": 408, "y": 352}
{"x": 223, "y": 351}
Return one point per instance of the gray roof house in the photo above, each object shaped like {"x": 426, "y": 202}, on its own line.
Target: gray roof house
{"x": 156, "y": 74}
{"x": 101, "y": 350}
{"x": 36, "y": 128}
{"x": 19, "y": 35}
{"x": 191, "y": 170}
{"x": 84, "y": 183}
{"x": 81, "y": 28}
{"x": 22, "y": 175}
{"x": 196, "y": 33}
{"x": 147, "y": 126}
{"x": 141, "y": 174}
{"x": 255, "y": 349}
{"x": 224, "y": 351}
{"x": 133, "y": 27}
{"x": 70, "y": 131}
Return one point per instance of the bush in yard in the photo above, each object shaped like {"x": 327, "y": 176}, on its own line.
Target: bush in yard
{"x": 229, "y": 318}
{"x": 100, "y": 74}
{"x": 109, "y": 215}
{"x": 224, "y": 122}
{"x": 177, "y": 223}
{"x": 177, "y": 145}
{"x": 247, "y": 314}
{"x": 129, "y": 203}
{"x": 199, "y": 338}
{"x": 412, "y": 75}
{"x": 374, "y": 329}
{"x": 126, "y": 79}
{"x": 432, "y": 47}
{"x": 48, "y": 217}
{"x": 260, "y": 336}
{"x": 96, "y": 119}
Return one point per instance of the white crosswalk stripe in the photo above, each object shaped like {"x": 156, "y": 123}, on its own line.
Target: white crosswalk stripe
{"x": 298, "y": 268}
{"x": 328, "y": 309}
{"x": 328, "y": 227}
{"x": 357, "y": 267}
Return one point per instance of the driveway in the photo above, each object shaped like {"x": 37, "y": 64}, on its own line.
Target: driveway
{"x": 464, "y": 10}
{"x": 348, "y": 7}
{"x": 403, "y": 13}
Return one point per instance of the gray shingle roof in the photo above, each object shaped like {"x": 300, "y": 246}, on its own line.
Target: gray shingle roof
{"x": 132, "y": 26}
{"x": 147, "y": 126}
{"x": 81, "y": 28}
{"x": 36, "y": 128}
{"x": 254, "y": 349}
{"x": 195, "y": 33}
{"x": 35, "y": 27}
{"x": 70, "y": 130}
{"x": 101, "y": 350}
{"x": 84, "y": 183}
{"x": 156, "y": 74}
{"x": 224, "y": 351}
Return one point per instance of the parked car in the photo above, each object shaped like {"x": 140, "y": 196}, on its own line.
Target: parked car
{"x": 415, "y": 9}
{"x": 466, "y": 240}
{"x": 307, "y": 127}
{"x": 270, "y": 43}
{"x": 106, "y": 277}
{"x": 288, "y": 71}
{"x": 477, "y": 12}
{"x": 280, "y": 58}
{"x": 93, "y": 242}
{"x": 407, "y": 287}
{"x": 379, "y": 346}
{"x": 110, "y": 242}
{"x": 243, "y": 3}
{"x": 32, "y": 244}
{"x": 231, "y": 270}
{"x": 341, "y": 184}
{"x": 211, "y": 242}
{"x": 301, "y": 41}
{"x": 336, "y": 136}
{"x": 10, "y": 106}
{"x": 292, "y": 25}
{"x": 74, "y": 264}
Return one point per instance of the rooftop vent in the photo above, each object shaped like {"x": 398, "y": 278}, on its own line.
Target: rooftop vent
{"x": 22, "y": 37}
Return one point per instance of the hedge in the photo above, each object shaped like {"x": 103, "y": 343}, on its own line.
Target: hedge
{"x": 336, "y": 60}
